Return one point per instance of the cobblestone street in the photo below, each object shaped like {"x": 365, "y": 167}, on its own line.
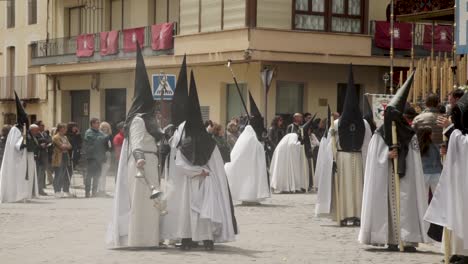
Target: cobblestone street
{"x": 282, "y": 230}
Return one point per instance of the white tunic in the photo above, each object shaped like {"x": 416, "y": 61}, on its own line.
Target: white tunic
{"x": 135, "y": 221}
{"x": 375, "y": 222}
{"x": 198, "y": 207}
{"x": 247, "y": 172}
{"x": 449, "y": 207}
{"x": 13, "y": 184}
{"x": 289, "y": 170}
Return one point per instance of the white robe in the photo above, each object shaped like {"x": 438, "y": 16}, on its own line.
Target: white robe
{"x": 375, "y": 205}
{"x": 325, "y": 194}
{"x": 13, "y": 184}
{"x": 323, "y": 155}
{"x": 198, "y": 207}
{"x": 289, "y": 170}
{"x": 247, "y": 172}
{"x": 449, "y": 207}
{"x": 135, "y": 220}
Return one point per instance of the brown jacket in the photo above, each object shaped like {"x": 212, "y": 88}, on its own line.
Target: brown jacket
{"x": 58, "y": 141}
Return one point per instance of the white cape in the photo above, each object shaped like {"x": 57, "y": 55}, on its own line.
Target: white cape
{"x": 325, "y": 167}
{"x": 289, "y": 170}
{"x": 375, "y": 209}
{"x": 198, "y": 207}
{"x": 247, "y": 172}
{"x": 449, "y": 207}
{"x": 13, "y": 184}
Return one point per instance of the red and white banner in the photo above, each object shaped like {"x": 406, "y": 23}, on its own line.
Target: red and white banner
{"x": 402, "y": 35}
{"x": 85, "y": 45}
{"x": 131, "y": 37}
{"x": 443, "y": 38}
{"x": 109, "y": 43}
{"x": 162, "y": 36}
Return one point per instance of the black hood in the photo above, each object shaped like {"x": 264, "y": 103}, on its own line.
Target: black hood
{"x": 394, "y": 113}
{"x": 21, "y": 115}
{"x": 179, "y": 102}
{"x": 143, "y": 102}
{"x": 328, "y": 125}
{"x": 460, "y": 114}
{"x": 369, "y": 115}
{"x": 256, "y": 119}
{"x": 197, "y": 145}
{"x": 351, "y": 128}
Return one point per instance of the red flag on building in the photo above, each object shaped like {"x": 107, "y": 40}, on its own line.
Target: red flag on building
{"x": 109, "y": 43}
{"x": 85, "y": 45}
{"x": 402, "y": 35}
{"x": 443, "y": 38}
{"x": 162, "y": 36}
{"x": 131, "y": 36}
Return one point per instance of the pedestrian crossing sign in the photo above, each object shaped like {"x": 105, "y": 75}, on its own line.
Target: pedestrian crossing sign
{"x": 164, "y": 86}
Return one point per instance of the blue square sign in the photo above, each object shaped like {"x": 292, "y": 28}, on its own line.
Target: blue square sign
{"x": 164, "y": 83}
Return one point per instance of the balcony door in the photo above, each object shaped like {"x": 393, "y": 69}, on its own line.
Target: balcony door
{"x": 116, "y": 101}
{"x": 80, "y": 109}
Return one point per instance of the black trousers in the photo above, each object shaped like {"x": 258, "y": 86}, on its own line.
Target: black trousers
{"x": 92, "y": 176}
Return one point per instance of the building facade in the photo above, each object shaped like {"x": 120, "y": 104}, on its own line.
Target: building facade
{"x": 308, "y": 43}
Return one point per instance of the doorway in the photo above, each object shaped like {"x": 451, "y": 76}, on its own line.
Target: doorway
{"x": 116, "y": 110}
{"x": 80, "y": 109}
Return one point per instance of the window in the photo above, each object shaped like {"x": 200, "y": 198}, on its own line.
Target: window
{"x": 10, "y": 13}
{"x": 234, "y": 106}
{"x": 32, "y": 12}
{"x": 289, "y": 97}
{"x": 329, "y": 15}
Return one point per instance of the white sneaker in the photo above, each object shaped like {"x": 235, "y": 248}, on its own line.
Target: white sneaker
{"x": 66, "y": 195}
{"x": 58, "y": 195}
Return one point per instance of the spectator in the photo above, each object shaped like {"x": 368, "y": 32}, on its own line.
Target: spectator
{"x": 432, "y": 167}
{"x": 295, "y": 126}
{"x": 74, "y": 136}
{"x": 60, "y": 160}
{"x": 118, "y": 140}
{"x": 105, "y": 129}
{"x": 428, "y": 118}
{"x": 3, "y": 139}
{"x": 276, "y": 131}
{"x": 209, "y": 126}
{"x": 95, "y": 146}
{"x": 50, "y": 151}
{"x": 232, "y": 133}
{"x": 307, "y": 117}
{"x": 453, "y": 97}
{"x": 409, "y": 114}
{"x": 42, "y": 162}
{"x": 218, "y": 136}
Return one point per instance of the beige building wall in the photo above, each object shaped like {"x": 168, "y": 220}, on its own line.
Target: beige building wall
{"x": 377, "y": 10}
{"x": 234, "y": 14}
{"x": 274, "y": 14}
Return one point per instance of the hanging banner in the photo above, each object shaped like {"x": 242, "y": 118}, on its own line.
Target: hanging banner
{"x": 443, "y": 38}
{"x": 401, "y": 39}
{"x": 162, "y": 36}
{"x": 109, "y": 43}
{"x": 379, "y": 103}
{"x": 461, "y": 19}
{"x": 85, "y": 45}
{"x": 131, "y": 36}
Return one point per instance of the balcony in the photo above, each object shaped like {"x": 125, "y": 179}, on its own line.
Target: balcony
{"x": 63, "y": 50}
{"x": 25, "y": 86}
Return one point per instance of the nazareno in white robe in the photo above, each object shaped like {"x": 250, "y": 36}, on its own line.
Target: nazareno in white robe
{"x": 135, "y": 220}
{"x": 198, "y": 207}
{"x": 351, "y": 178}
{"x": 13, "y": 184}
{"x": 247, "y": 171}
{"x": 449, "y": 207}
{"x": 375, "y": 205}
{"x": 289, "y": 170}
{"x": 323, "y": 154}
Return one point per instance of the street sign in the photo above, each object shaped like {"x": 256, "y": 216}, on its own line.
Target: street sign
{"x": 461, "y": 32}
{"x": 166, "y": 83}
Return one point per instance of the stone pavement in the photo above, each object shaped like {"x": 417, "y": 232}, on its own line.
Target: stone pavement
{"x": 282, "y": 230}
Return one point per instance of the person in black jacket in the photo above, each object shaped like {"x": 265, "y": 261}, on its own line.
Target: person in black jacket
{"x": 42, "y": 160}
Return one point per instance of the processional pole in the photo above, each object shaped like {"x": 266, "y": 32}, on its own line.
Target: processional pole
{"x": 392, "y": 34}
{"x": 238, "y": 89}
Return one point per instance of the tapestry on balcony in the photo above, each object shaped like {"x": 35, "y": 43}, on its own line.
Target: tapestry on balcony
{"x": 162, "y": 36}
{"x": 131, "y": 37}
{"x": 443, "y": 38}
{"x": 402, "y": 36}
{"x": 417, "y": 6}
{"x": 85, "y": 45}
{"x": 109, "y": 43}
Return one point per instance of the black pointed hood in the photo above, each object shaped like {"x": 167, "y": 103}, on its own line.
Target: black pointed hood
{"x": 256, "y": 119}
{"x": 21, "y": 115}
{"x": 197, "y": 145}
{"x": 143, "y": 102}
{"x": 179, "y": 102}
{"x": 308, "y": 124}
{"x": 460, "y": 114}
{"x": 369, "y": 115}
{"x": 351, "y": 129}
{"x": 394, "y": 113}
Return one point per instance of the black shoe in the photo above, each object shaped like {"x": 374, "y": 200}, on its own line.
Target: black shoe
{"x": 186, "y": 244}
{"x": 87, "y": 195}
{"x": 455, "y": 258}
{"x": 410, "y": 249}
{"x": 393, "y": 248}
{"x": 42, "y": 193}
{"x": 462, "y": 260}
{"x": 344, "y": 222}
{"x": 208, "y": 244}
{"x": 357, "y": 222}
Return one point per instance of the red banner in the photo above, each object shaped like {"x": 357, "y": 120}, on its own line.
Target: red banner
{"x": 109, "y": 43}
{"x": 402, "y": 36}
{"x": 162, "y": 36}
{"x": 131, "y": 37}
{"x": 443, "y": 38}
{"x": 85, "y": 45}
